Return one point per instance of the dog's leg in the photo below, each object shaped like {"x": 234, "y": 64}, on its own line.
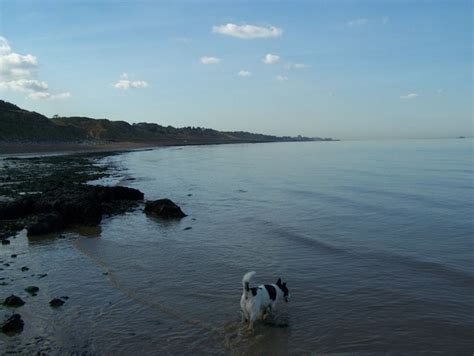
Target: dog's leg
{"x": 267, "y": 312}
{"x": 244, "y": 317}
{"x": 252, "y": 320}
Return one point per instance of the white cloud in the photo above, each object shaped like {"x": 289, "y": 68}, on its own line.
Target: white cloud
{"x": 15, "y": 66}
{"x": 25, "y": 85}
{"x": 357, "y": 22}
{"x": 4, "y": 46}
{"x": 410, "y": 96}
{"x": 247, "y": 31}
{"x": 270, "y": 58}
{"x": 124, "y": 83}
{"x": 48, "y": 96}
{"x": 210, "y": 60}
{"x": 295, "y": 66}
{"x": 281, "y": 78}
{"x": 244, "y": 73}
{"x": 18, "y": 73}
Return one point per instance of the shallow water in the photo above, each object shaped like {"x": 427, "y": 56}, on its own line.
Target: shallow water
{"x": 375, "y": 241}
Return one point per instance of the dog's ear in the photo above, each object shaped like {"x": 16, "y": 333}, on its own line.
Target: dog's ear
{"x": 279, "y": 282}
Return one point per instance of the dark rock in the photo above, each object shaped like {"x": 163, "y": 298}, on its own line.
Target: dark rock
{"x": 13, "y": 301}
{"x": 107, "y": 194}
{"x": 61, "y": 236}
{"x": 14, "y": 256}
{"x": 68, "y": 204}
{"x": 190, "y": 195}
{"x": 32, "y": 290}
{"x": 5, "y": 242}
{"x": 42, "y": 275}
{"x": 56, "y": 302}
{"x": 164, "y": 208}
{"x": 24, "y": 269}
{"x": 6, "y": 264}
{"x": 187, "y": 228}
{"x": 16, "y": 209}
{"x": 45, "y": 224}
{"x": 13, "y": 324}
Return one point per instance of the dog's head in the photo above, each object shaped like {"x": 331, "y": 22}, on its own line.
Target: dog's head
{"x": 284, "y": 289}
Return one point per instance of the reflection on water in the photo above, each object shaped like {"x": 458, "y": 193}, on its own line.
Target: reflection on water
{"x": 377, "y": 253}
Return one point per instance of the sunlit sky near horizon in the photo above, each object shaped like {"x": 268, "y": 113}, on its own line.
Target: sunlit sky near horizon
{"x": 345, "y": 69}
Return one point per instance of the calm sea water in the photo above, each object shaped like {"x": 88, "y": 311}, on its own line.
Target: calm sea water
{"x": 374, "y": 239}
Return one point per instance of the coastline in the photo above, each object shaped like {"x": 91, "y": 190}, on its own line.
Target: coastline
{"x": 69, "y": 148}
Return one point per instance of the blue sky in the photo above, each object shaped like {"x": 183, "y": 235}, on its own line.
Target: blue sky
{"x": 346, "y": 69}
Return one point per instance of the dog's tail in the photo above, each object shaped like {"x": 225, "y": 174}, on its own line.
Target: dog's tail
{"x": 246, "y": 281}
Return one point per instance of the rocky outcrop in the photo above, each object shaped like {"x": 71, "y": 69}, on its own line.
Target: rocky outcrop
{"x": 58, "y": 208}
{"x": 164, "y": 208}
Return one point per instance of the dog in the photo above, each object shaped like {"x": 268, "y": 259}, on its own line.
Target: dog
{"x": 260, "y": 301}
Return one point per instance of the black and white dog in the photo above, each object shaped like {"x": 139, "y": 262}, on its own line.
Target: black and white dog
{"x": 257, "y": 301}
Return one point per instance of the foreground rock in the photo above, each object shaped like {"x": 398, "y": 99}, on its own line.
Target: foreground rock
{"x": 58, "y": 208}
{"x": 13, "y": 324}
{"x": 32, "y": 290}
{"x": 13, "y": 301}
{"x": 56, "y": 302}
{"x": 164, "y": 208}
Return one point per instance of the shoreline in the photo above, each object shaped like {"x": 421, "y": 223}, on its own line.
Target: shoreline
{"x": 19, "y": 149}
{"x": 9, "y": 149}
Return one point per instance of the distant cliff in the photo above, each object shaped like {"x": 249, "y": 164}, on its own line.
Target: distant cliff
{"x": 18, "y": 125}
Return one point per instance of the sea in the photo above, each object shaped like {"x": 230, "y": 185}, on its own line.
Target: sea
{"x": 373, "y": 238}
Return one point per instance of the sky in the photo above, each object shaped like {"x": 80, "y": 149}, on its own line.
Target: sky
{"x": 341, "y": 69}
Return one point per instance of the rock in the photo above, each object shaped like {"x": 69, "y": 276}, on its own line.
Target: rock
{"x": 164, "y": 208}
{"x": 42, "y": 275}
{"x": 13, "y": 324}
{"x": 190, "y": 195}
{"x": 24, "y": 269}
{"x": 68, "y": 204}
{"x": 118, "y": 193}
{"x": 13, "y": 301}
{"x": 56, "y": 302}
{"x": 32, "y": 290}
{"x": 46, "y": 224}
{"x": 16, "y": 209}
{"x": 5, "y": 242}
{"x": 187, "y": 228}
{"x": 14, "y": 255}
